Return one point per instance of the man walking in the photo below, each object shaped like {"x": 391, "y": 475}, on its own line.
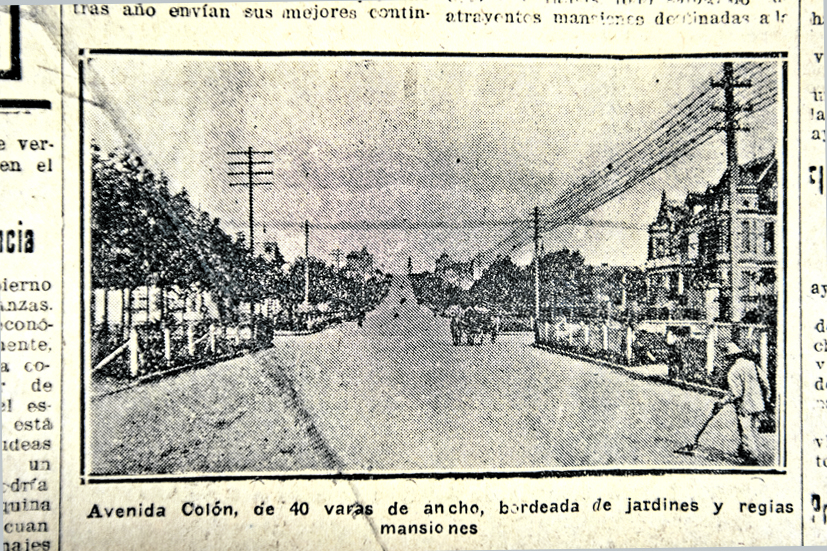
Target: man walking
{"x": 746, "y": 393}
{"x": 456, "y": 335}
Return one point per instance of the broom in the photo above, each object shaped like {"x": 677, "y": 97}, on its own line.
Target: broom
{"x": 689, "y": 449}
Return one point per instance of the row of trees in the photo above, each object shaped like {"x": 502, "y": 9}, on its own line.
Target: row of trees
{"x": 343, "y": 293}
{"x": 566, "y": 283}
{"x": 145, "y": 235}
{"x": 569, "y": 287}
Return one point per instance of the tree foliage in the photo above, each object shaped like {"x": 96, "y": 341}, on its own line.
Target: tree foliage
{"x": 142, "y": 234}
{"x": 566, "y": 281}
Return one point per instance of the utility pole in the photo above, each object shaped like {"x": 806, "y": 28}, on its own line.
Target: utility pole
{"x": 249, "y": 171}
{"x": 731, "y": 128}
{"x": 307, "y": 262}
{"x": 536, "y": 271}
{"x": 337, "y": 255}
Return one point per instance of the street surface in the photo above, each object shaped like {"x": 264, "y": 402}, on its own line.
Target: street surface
{"x": 395, "y": 395}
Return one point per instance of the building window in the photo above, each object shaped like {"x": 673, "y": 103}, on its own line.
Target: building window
{"x": 751, "y": 236}
{"x": 660, "y": 247}
{"x": 769, "y": 237}
{"x": 746, "y": 237}
{"x": 692, "y": 248}
{"x": 748, "y": 283}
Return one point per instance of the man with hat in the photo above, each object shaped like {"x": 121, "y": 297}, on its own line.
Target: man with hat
{"x": 746, "y": 393}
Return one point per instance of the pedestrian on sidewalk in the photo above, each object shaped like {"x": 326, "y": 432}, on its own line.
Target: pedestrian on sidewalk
{"x": 746, "y": 394}
{"x": 674, "y": 353}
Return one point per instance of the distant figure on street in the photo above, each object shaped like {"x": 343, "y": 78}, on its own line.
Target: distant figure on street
{"x": 746, "y": 393}
{"x": 456, "y": 332}
{"x": 495, "y": 327}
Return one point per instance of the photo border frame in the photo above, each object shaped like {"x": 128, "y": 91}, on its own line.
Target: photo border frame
{"x": 15, "y": 71}
{"x": 87, "y": 477}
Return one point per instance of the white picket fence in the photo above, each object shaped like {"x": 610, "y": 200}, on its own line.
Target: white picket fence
{"x": 619, "y": 339}
{"x": 210, "y": 339}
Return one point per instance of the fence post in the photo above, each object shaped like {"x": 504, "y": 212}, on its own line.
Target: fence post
{"x": 190, "y": 339}
{"x": 571, "y": 337}
{"x": 237, "y": 336}
{"x": 763, "y": 351}
{"x": 212, "y": 338}
{"x": 547, "y": 325}
{"x": 585, "y": 334}
{"x": 133, "y": 352}
{"x": 711, "y": 337}
{"x": 167, "y": 345}
{"x": 630, "y": 336}
{"x": 605, "y": 337}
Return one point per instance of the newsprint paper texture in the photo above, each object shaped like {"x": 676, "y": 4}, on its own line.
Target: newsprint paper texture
{"x": 413, "y": 275}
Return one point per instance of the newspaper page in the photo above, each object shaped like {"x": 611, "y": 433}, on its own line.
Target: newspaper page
{"x": 413, "y": 275}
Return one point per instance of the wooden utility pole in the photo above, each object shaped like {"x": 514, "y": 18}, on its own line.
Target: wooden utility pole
{"x": 731, "y": 128}
{"x": 249, "y": 171}
{"x": 307, "y": 262}
{"x": 337, "y": 256}
{"x": 536, "y": 270}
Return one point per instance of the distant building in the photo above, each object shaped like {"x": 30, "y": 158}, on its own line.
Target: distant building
{"x": 360, "y": 263}
{"x": 272, "y": 253}
{"x": 698, "y": 253}
{"x": 460, "y": 274}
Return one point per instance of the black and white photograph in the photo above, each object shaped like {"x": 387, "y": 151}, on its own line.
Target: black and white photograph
{"x": 402, "y": 265}
{"x": 10, "y": 43}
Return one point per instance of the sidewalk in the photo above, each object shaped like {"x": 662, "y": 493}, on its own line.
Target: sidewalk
{"x": 657, "y": 373}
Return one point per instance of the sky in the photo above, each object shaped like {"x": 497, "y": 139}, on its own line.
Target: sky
{"x": 408, "y": 156}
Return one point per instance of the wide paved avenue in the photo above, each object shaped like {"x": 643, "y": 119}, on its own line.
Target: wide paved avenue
{"x": 395, "y": 395}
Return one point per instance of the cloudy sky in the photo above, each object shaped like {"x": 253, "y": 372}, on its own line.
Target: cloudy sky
{"x": 409, "y": 156}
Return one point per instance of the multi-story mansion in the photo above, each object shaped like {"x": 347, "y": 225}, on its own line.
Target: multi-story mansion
{"x": 701, "y": 248}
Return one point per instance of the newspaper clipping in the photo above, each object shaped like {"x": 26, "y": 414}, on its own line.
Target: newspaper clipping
{"x": 441, "y": 274}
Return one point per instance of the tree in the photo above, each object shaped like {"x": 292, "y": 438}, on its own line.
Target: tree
{"x": 564, "y": 279}
{"x": 504, "y": 286}
{"x": 273, "y": 250}
{"x": 143, "y": 235}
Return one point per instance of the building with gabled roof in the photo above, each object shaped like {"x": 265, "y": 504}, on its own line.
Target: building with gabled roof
{"x": 697, "y": 253}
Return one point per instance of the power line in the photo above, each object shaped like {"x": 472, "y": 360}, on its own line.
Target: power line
{"x": 677, "y": 133}
{"x": 250, "y": 173}
{"x": 394, "y": 224}
{"x": 402, "y": 224}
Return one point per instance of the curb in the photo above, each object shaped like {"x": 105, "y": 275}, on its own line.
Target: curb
{"x": 158, "y": 375}
{"x": 658, "y": 379}
{"x": 298, "y": 333}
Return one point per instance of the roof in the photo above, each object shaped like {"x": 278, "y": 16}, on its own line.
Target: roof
{"x": 669, "y": 214}
{"x": 758, "y": 176}
{"x": 760, "y": 172}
